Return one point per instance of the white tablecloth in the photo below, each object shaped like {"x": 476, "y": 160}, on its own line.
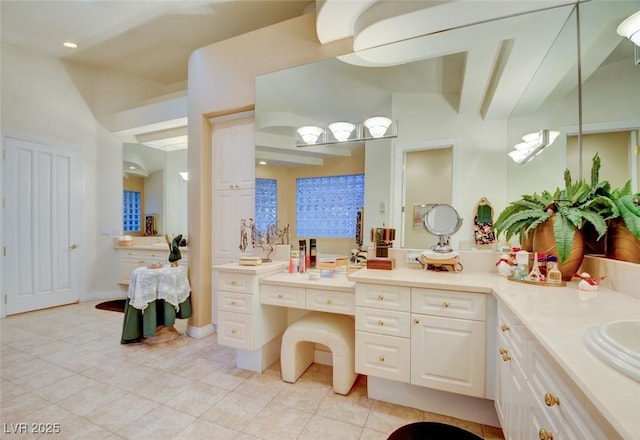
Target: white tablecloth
{"x": 167, "y": 283}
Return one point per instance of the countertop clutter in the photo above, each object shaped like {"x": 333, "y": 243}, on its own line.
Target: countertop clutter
{"x": 558, "y": 318}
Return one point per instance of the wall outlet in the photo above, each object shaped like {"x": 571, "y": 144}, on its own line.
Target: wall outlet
{"x": 411, "y": 255}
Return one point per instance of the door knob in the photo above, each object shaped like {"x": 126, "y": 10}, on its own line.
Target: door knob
{"x": 73, "y": 246}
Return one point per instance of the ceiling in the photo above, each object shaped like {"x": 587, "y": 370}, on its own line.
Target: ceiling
{"x": 148, "y": 39}
{"x": 152, "y": 40}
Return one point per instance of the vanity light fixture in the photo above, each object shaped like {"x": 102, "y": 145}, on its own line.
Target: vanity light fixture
{"x": 532, "y": 145}
{"x": 184, "y": 175}
{"x": 342, "y": 130}
{"x": 310, "y": 134}
{"x": 377, "y": 125}
{"x": 630, "y": 28}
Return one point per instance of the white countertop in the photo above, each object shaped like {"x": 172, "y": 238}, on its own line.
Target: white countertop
{"x": 150, "y": 247}
{"x": 558, "y": 318}
{"x": 337, "y": 281}
{"x": 260, "y": 268}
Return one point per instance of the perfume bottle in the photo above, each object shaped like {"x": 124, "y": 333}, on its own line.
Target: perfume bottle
{"x": 554, "y": 276}
{"x": 313, "y": 252}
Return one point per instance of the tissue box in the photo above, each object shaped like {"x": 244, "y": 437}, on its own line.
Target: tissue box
{"x": 381, "y": 263}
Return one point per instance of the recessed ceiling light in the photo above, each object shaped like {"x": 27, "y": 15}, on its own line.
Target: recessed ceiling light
{"x": 262, "y": 162}
{"x": 70, "y": 44}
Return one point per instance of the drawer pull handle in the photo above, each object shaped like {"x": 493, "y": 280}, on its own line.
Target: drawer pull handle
{"x": 543, "y": 434}
{"x": 233, "y": 331}
{"x": 380, "y": 297}
{"x": 504, "y": 328}
{"x": 280, "y": 295}
{"x": 233, "y": 303}
{"x": 381, "y": 322}
{"x": 329, "y": 301}
{"x": 506, "y": 357}
{"x": 445, "y": 304}
{"x": 233, "y": 282}
{"x": 381, "y": 358}
{"x": 417, "y": 321}
{"x": 551, "y": 400}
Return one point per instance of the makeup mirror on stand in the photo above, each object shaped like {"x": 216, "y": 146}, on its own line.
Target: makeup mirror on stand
{"x": 442, "y": 220}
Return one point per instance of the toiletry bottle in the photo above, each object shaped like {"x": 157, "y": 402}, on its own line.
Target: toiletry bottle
{"x": 554, "y": 276}
{"x": 542, "y": 264}
{"x": 303, "y": 259}
{"x": 313, "y": 252}
{"x": 522, "y": 259}
{"x": 295, "y": 260}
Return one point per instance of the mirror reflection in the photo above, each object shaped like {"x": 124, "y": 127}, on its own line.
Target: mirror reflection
{"x": 472, "y": 92}
{"x": 151, "y": 176}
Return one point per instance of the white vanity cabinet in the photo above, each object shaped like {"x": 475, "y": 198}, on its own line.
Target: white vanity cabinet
{"x": 427, "y": 337}
{"x": 448, "y": 341}
{"x": 131, "y": 259}
{"x": 233, "y": 184}
{"x": 242, "y": 321}
{"x": 532, "y": 401}
{"x": 383, "y": 346}
{"x": 512, "y": 400}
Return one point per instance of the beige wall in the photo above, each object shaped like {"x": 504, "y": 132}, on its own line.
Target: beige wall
{"x": 613, "y": 150}
{"x": 428, "y": 180}
{"x": 222, "y": 81}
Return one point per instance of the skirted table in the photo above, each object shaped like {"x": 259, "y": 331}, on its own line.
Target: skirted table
{"x": 156, "y": 297}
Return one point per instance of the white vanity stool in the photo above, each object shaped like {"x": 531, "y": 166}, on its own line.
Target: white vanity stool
{"x": 336, "y": 332}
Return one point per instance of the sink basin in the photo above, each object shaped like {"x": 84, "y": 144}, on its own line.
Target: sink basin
{"x": 617, "y": 343}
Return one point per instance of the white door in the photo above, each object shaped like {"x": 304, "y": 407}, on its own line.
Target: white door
{"x": 42, "y": 256}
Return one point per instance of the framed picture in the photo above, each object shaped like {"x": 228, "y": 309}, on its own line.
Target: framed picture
{"x": 418, "y": 214}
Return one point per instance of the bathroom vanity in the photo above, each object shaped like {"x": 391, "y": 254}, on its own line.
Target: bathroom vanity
{"x": 472, "y": 345}
{"x": 144, "y": 252}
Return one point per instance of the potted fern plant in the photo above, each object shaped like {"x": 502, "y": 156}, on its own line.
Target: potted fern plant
{"x": 556, "y": 219}
{"x": 623, "y": 238}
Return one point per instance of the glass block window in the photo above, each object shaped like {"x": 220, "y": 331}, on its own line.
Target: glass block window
{"x": 266, "y": 203}
{"x": 131, "y": 210}
{"x": 328, "y": 206}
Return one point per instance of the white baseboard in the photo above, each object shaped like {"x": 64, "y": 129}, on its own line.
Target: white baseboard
{"x": 200, "y": 332}
{"x": 463, "y": 407}
{"x": 107, "y": 294}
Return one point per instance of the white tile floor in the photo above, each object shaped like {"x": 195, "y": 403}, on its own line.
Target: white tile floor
{"x": 65, "y": 366}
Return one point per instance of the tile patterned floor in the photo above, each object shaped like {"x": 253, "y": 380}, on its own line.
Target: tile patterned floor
{"x": 66, "y": 366}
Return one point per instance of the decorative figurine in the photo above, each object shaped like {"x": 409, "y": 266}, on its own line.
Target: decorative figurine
{"x": 174, "y": 249}
{"x": 586, "y": 282}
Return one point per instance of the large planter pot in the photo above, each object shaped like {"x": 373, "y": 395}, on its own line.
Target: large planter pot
{"x": 622, "y": 244}
{"x": 545, "y": 242}
{"x": 526, "y": 241}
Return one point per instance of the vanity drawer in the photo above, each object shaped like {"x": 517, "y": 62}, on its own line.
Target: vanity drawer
{"x": 331, "y": 301}
{"x": 545, "y": 386}
{"x": 235, "y": 330}
{"x": 383, "y": 297}
{"x": 384, "y": 322}
{"x": 283, "y": 296}
{"x": 235, "y": 282}
{"x": 449, "y": 304}
{"x": 511, "y": 336}
{"x": 387, "y": 357}
{"x": 235, "y": 302}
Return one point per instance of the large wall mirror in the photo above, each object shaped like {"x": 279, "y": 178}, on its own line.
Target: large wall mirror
{"x": 155, "y": 173}
{"x": 475, "y": 90}
{"x": 599, "y": 95}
